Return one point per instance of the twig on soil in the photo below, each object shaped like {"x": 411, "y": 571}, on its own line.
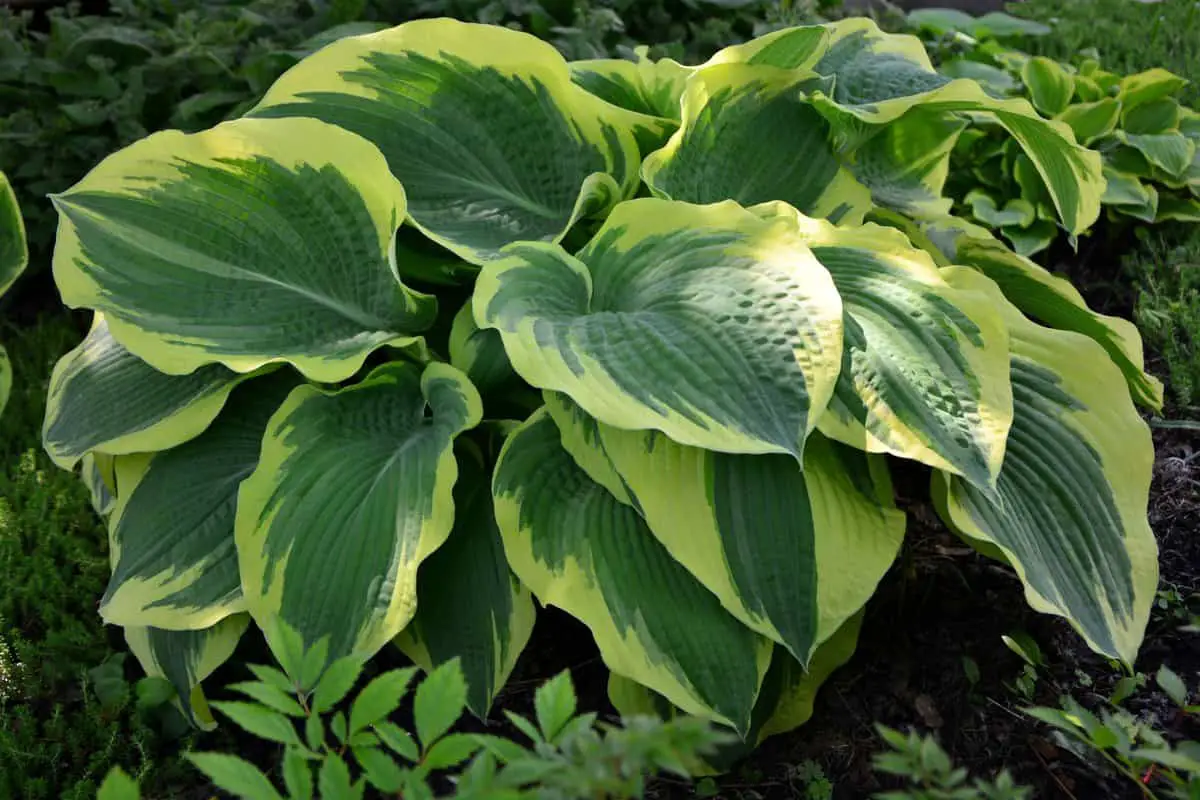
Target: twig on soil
{"x": 1057, "y": 780}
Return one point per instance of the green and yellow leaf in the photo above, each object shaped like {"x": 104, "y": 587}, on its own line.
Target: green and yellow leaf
{"x": 171, "y": 533}
{"x": 352, "y": 492}
{"x": 576, "y": 547}
{"x": 185, "y": 658}
{"x": 1171, "y": 152}
{"x": 1148, "y": 86}
{"x": 785, "y": 701}
{"x": 925, "y": 366}
{"x": 650, "y": 90}
{"x": 747, "y": 135}
{"x": 98, "y": 472}
{"x": 791, "y": 553}
{"x": 254, "y": 242}
{"x": 1049, "y": 85}
{"x": 666, "y": 302}
{"x": 104, "y": 398}
{"x": 493, "y": 142}
{"x": 469, "y": 605}
{"x": 879, "y": 77}
{"x": 797, "y": 48}
{"x": 1090, "y": 121}
{"x": 6, "y": 378}
{"x": 14, "y": 252}
{"x": 1051, "y": 300}
{"x": 905, "y": 165}
{"x": 1069, "y": 509}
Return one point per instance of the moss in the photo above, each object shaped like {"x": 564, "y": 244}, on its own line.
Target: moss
{"x": 63, "y": 722}
{"x": 1166, "y": 270}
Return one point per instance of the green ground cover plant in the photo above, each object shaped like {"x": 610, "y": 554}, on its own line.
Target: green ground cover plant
{"x": 339, "y": 744}
{"x": 380, "y": 338}
{"x": 1166, "y": 270}
{"x": 58, "y": 738}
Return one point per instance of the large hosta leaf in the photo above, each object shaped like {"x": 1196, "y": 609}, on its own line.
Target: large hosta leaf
{"x": 6, "y": 377}
{"x": 878, "y": 77}
{"x": 748, "y": 136}
{"x": 469, "y": 605}
{"x": 790, "y": 553}
{"x": 576, "y": 547}
{"x": 171, "y": 533}
{"x": 1052, "y": 301}
{"x": 925, "y": 366}
{"x": 785, "y": 700}
{"x": 13, "y": 255}
{"x": 482, "y": 124}
{"x": 797, "y": 48}
{"x": 905, "y": 165}
{"x": 104, "y": 398}
{"x": 1069, "y": 510}
{"x": 650, "y": 90}
{"x": 353, "y": 491}
{"x": 254, "y": 242}
{"x": 98, "y": 472}
{"x": 705, "y": 322}
{"x": 14, "y": 252}
{"x": 187, "y": 657}
{"x": 790, "y": 689}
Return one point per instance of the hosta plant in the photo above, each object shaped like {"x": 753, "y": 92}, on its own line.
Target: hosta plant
{"x": 13, "y": 257}
{"x": 447, "y": 328}
{"x": 1149, "y": 142}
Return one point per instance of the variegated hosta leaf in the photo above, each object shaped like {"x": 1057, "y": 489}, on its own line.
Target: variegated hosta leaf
{"x": 6, "y": 378}
{"x": 352, "y": 492}
{"x": 1017, "y": 212}
{"x": 1090, "y": 121}
{"x": 576, "y": 547}
{"x": 1069, "y": 509}
{"x": 98, "y": 472}
{"x": 481, "y": 124}
{"x": 1158, "y": 116}
{"x": 14, "y": 252}
{"x": 1030, "y": 239}
{"x": 104, "y": 398}
{"x": 469, "y": 605}
{"x": 705, "y": 322}
{"x": 185, "y": 658}
{"x": 1052, "y": 301}
{"x": 878, "y": 77}
{"x": 789, "y": 690}
{"x": 905, "y": 165}
{"x": 1179, "y": 209}
{"x": 254, "y": 242}
{"x": 1171, "y": 152}
{"x": 479, "y": 353}
{"x": 790, "y": 553}
{"x": 747, "y": 135}
{"x": 651, "y": 90}
{"x": 1148, "y": 86}
{"x": 171, "y": 533}
{"x": 1049, "y": 85}
{"x": 797, "y": 48}
{"x": 785, "y": 701}
{"x": 925, "y": 367}
{"x": 13, "y": 256}
{"x": 1129, "y": 196}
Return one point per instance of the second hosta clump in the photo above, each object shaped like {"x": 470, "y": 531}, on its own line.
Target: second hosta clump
{"x": 447, "y": 325}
